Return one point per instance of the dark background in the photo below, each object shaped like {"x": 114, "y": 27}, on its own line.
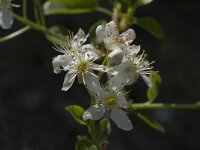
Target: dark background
{"x": 32, "y": 115}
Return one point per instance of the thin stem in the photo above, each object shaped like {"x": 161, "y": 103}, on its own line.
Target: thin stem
{"x": 14, "y": 34}
{"x": 24, "y": 8}
{"x": 151, "y": 106}
{"x": 38, "y": 12}
{"x": 41, "y": 14}
{"x": 103, "y": 10}
{"x": 36, "y": 26}
{"x": 92, "y": 132}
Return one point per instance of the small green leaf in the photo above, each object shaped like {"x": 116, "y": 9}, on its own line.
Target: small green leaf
{"x": 76, "y": 112}
{"x": 152, "y": 92}
{"x": 151, "y": 25}
{"x": 144, "y": 2}
{"x": 103, "y": 128}
{"x": 83, "y": 143}
{"x": 78, "y": 3}
{"x": 152, "y": 123}
{"x": 56, "y": 34}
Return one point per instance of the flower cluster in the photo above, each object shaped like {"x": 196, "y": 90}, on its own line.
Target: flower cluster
{"x": 6, "y": 16}
{"x": 123, "y": 67}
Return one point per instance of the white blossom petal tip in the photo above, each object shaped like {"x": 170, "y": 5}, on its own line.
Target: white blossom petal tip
{"x": 121, "y": 119}
{"x": 94, "y": 112}
{"x": 68, "y": 81}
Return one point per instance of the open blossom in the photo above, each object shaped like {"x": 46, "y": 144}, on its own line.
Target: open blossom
{"x": 6, "y": 17}
{"x": 117, "y": 44}
{"x": 77, "y": 59}
{"x": 110, "y": 100}
{"x": 129, "y": 70}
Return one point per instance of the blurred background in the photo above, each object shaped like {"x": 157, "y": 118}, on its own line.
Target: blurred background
{"x": 32, "y": 105}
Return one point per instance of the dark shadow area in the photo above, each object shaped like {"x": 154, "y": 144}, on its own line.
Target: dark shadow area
{"x": 32, "y": 105}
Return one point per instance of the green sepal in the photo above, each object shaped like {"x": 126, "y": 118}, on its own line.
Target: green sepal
{"x": 77, "y": 113}
{"x": 152, "y": 123}
{"x": 83, "y": 143}
{"x": 103, "y": 128}
{"x": 152, "y": 92}
{"x": 151, "y": 25}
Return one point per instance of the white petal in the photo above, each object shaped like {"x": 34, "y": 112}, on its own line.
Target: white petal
{"x": 133, "y": 49}
{"x": 128, "y": 36}
{"x": 124, "y": 74}
{"x": 92, "y": 83}
{"x": 95, "y": 112}
{"x": 6, "y": 18}
{"x": 79, "y": 38}
{"x": 147, "y": 80}
{"x": 98, "y": 67}
{"x": 100, "y": 32}
{"x": 111, "y": 29}
{"x": 121, "y": 101}
{"x": 60, "y": 61}
{"x": 121, "y": 119}
{"x": 68, "y": 81}
{"x": 115, "y": 57}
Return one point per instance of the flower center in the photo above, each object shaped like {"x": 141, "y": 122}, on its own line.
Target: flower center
{"x": 82, "y": 67}
{"x": 111, "y": 101}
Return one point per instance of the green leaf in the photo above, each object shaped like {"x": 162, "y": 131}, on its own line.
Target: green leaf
{"x": 151, "y": 25}
{"x": 152, "y": 123}
{"x": 103, "y": 128}
{"x": 144, "y": 2}
{"x": 53, "y": 8}
{"x": 76, "y": 112}
{"x": 56, "y": 34}
{"x": 78, "y": 3}
{"x": 153, "y": 91}
{"x": 83, "y": 143}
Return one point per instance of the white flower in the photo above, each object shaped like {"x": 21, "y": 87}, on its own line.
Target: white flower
{"x": 144, "y": 67}
{"x": 6, "y": 17}
{"x": 118, "y": 44}
{"x": 77, "y": 59}
{"x": 129, "y": 70}
{"x": 110, "y": 100}
{"x": 111, "y": 37}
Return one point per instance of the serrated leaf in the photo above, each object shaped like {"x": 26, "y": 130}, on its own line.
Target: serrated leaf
{"x": 55, "y": 30}
{"x": 83, "y": 143}
{"x": 153, "y": 91}
{"x": 152, "y": 123}
{"x": 76, "y": 112}
{"x": 78, "y": 3}
{"x": 151, "y": 25}
{"x": 103, "y": 128}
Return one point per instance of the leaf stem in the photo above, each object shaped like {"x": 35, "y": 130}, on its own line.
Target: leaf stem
{"x": 151, "y": 106}
{"x": 36, "y": 26}
{"x": 92, "y": 132}
{"x": 24, "y": 8}
{"x": 14, "y": 34}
